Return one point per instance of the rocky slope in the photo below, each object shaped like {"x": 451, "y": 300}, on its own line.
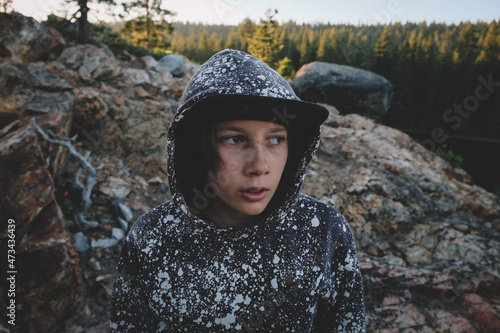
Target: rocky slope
{"x": 428, "y": 237}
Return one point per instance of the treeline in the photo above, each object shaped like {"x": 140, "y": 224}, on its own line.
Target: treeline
{"x": 436, "y": 70}
{"x": 432, "y": 66}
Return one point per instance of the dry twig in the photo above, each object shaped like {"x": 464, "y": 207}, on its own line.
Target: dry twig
{"x": 79, "y": 216}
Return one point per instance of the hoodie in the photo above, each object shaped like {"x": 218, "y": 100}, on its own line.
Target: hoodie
{"x": 294, "y": 270}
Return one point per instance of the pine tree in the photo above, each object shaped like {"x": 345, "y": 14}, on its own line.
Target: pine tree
{"x": 203, "y": 52}
{"x": 383, "y": 43}
{"x": 466, "y": 46}
{"x": 246, "y": 29}
{"x": 264, "y": 43}
{"x": 214, "y": 43}
{"x": 490, "y": 50}
{"x": 233, "y": 41}
{"x": 327, "y": 45}
{"x": 178, "y": 44}
{"x": 6, "y": 6}
{"x": 445, "y": 47}
{"x": 148, "y": 29}
{"x": 306, "y": 49}
{"x": 286, "y": 69}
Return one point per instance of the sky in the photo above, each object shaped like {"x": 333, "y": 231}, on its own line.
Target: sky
{"x": 233, "y": 12}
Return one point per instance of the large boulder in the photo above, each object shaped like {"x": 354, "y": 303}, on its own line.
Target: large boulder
{"x": 25, "y": 39}
{"x": 427, "y": 236}
{"x": 349, "y": 89}
{"x": 173, "y": 63}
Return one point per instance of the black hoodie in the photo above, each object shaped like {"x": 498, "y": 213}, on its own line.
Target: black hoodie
{"x": 294, "y": 270}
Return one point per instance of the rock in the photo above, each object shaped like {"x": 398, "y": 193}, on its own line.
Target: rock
{"x": 106, "y": 242}
{"x": 29, "y": 90}
{"x": 48, "y": 280}
{"x": 114, "y": 187}
{"x": 173, "y": 63}
{"x": 190, "y": 69}
{"x": 420, "y": 226}
{"x": 24, "y": 39}
{"x": 135, "y": 77}
{"x": 94, "y": 264}
{"x": 349, "y": 89}
{"x": 399, "y": 197}
{"x": 117, "y": 233}
{"x": 123, "y": 224}
{"x": 155, "y": 181}
{"x": 144, "y": 130}
{"x": 81, "y": 242}
{"x": 441, "y": 298}
{"x": 123, "y": 210}
{"x": 88, "y": 108}
{"x": 91, "y": 63}
{"x": 145, "y": 62}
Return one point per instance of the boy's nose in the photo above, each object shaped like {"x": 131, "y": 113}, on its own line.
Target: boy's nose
{"x": 257, "y": 162}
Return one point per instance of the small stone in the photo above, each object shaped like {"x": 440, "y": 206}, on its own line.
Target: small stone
{"x": 117, "y": 233}
{"x": 94, "y": 264}
{"x": 81, "y": 242}
{"x": 123, "y": 224}
{"x": 106, "y": 242}
{"x": 155, "y": 181}
{"x": 114, "y": 187}
{"x": 461, "y": 227}
{"x": 125, "y": 211}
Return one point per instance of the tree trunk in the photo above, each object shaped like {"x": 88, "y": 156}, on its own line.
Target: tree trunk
{"x": 83, "y": 23}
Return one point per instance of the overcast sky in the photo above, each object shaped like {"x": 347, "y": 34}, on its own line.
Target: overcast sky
{"x": 311, "y": 11}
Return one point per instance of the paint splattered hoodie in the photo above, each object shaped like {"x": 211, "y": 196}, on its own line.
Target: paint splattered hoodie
{"x": 294, "y": 270}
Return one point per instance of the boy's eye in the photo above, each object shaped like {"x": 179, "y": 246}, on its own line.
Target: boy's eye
{"x": 277, "y": 140}
{"x": 235, "y": 139}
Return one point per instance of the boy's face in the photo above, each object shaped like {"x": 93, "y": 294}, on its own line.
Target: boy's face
{"x": 253, "y": 155}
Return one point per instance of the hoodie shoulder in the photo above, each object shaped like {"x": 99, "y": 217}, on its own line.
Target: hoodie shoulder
{"x": 312, "y": 207}
{"x": 149, "y": 222}
{"x": 320, "y": 218}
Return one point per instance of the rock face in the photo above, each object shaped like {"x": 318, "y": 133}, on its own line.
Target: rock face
{"x": 349, "y": 89}
{"x": 25, "y": 39}
{"x": 48, "y": 280}
{"x": 428, "y": 237}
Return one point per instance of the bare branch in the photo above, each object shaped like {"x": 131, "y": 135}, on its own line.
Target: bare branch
{"x": 79, "y": 216}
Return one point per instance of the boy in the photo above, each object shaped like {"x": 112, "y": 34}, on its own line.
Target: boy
{"x": 239, "y": 248}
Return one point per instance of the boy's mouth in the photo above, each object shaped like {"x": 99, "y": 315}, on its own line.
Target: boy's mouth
{"x": 255, "y": 193}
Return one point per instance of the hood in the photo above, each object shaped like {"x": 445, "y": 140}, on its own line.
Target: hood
{"x": 236, "y": 85}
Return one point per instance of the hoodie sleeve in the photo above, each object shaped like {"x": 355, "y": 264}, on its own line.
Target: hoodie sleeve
{"x": 342, "y": 308}
{"x": 128, "y": 303}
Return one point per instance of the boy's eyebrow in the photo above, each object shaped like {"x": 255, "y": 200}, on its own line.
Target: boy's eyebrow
{"x": 229, "y": 128}
{"x": 240, "y": 129}
{"x": 278, "y": 129}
